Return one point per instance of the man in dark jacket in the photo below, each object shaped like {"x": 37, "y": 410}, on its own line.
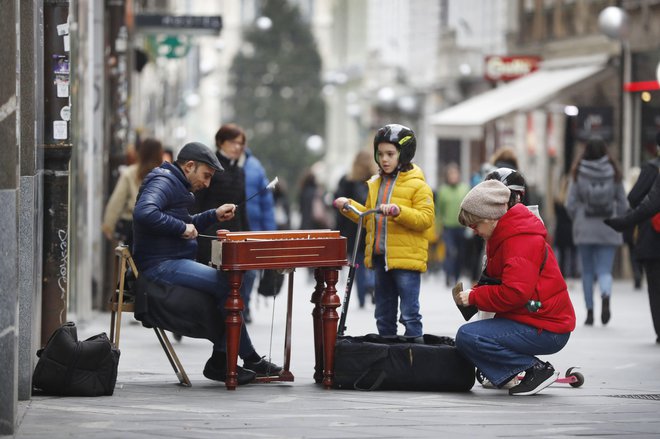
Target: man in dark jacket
{"x": 644, "y": 198}
{"x": 164, "y": 244}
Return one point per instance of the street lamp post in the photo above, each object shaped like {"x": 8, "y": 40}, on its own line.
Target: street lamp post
{"x": 613, "y": 22}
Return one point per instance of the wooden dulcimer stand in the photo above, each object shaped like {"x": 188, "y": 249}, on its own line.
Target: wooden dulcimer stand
{"x": 323, "y": 250}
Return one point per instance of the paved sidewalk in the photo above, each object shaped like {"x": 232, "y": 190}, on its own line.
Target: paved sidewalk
{"x": 620, "y": 397}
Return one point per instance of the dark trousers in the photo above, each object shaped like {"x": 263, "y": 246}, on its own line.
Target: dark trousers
{"x": 652, "y": 269}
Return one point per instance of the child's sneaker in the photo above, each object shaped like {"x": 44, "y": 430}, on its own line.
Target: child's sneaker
{"x": 536, "y": 379}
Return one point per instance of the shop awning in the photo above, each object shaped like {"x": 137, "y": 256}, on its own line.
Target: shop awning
{"x": 531, "y": 91}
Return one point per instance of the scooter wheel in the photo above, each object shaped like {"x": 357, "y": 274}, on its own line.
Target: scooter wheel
{"x": 480, "y": 376}
{"x": 579, "y": 379}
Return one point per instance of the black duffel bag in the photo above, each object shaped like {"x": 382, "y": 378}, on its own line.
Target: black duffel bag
{"x": 68, "y": 367}
{"x": 375, "y": 362}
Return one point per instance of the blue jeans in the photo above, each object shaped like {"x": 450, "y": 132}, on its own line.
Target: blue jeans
{"x": 391, "y": 287}
{"x": 502, "y": 348}
{"x": 192, "y": 274}
{"x": 597, "y": 261}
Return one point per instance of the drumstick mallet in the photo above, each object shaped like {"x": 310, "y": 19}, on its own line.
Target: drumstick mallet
{"x": 270, "y": 185}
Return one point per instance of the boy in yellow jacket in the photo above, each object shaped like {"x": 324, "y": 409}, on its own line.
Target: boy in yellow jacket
{"x": 397, "y": 235}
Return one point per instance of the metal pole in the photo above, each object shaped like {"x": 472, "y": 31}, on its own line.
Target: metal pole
{"x": 57, "y": 154}
{"x": 626, "y": 98}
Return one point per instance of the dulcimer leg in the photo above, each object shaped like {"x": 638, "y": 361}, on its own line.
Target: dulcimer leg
{"x": 233, "y": 322}
{"x": 317, "y": 319}
{"x": 330, "y": 302}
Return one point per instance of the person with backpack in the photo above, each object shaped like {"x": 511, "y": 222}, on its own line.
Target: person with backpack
{"x": 596, "y": 193}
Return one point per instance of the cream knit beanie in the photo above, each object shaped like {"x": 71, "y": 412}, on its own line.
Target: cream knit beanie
{"x": 487, "y": 200}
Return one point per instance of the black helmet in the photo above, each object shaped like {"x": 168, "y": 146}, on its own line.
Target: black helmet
{"x": 400, "y": 136}
{"x": 511, "y": 179}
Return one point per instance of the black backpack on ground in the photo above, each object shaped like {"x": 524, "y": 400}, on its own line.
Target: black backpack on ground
{"x": 68, "y": 367}
{"x": 374, "y": 362}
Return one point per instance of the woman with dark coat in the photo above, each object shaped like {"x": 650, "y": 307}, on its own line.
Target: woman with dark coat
{"x": 227, "y": 186}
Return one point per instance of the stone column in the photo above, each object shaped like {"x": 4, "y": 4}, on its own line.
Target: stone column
{"x": 30, "y": 195}
{"x": 8, "y": 218}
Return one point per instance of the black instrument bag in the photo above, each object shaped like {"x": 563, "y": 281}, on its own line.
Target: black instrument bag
{"x": 69, "y": 367}
{"x": 374, "y": 362}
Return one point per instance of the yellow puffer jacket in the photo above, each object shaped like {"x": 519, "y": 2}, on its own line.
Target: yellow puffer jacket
{"x": 409, "y": 233}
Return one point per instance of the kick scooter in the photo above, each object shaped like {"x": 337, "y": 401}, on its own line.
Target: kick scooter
{"x": 353, "y": 266}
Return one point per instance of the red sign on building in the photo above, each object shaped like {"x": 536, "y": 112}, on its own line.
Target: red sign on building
{"x": 506, "y": 68}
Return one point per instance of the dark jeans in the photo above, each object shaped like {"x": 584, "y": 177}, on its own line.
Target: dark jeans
{"x": 652, "y": 269}
{"x": 246, "y": 287}
{"x": 191, "y": 274}
{"x": 454, "y": 238}
{"x": 365, "y": 278}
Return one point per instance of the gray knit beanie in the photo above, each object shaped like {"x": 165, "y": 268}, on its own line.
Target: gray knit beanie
{"x": 487, "y": 200}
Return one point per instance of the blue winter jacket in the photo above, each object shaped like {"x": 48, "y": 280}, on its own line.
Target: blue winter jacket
{"x": 160, "y": 218}
{"x": 260, "y": 209}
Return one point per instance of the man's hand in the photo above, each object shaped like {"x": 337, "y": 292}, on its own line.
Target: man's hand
{"x": 225, "y": 212}
{"x": 390, "y": 209}
{"x": 190, "y": 233}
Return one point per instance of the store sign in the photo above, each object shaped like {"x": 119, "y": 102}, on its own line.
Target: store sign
{"x": 181, "y": 24}
{"x": 595, "y": 122}
{"x": 506, "y": 68}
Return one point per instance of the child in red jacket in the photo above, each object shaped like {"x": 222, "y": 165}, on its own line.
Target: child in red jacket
{"x": 533, "y": 311}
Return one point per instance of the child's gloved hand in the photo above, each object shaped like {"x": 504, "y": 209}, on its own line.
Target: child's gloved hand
{"x": 340, "y": 202}
{"x": 390, "y": 210}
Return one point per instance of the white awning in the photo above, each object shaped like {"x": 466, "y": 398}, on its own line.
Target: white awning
{"x": 467, "y": 118}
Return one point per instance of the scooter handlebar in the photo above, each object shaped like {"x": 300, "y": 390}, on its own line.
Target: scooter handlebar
{"x": 354, "y": 209}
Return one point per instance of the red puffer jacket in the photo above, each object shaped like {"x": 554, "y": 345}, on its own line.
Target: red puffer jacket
{"x": 516, "y": 251}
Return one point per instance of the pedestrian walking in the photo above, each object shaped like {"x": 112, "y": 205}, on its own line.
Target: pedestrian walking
{"x": 448, "y": 201}
{"x": 260, "y": 214}
{"x": 595, "y": 193}
{"x": 226, "y": 187}
{"x": 563, "y": 237}
{"x": 354, "y": 185}
{"x": 118, "y": 217}
{"x": 644, "y": 197}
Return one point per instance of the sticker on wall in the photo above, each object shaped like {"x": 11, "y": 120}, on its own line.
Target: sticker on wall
{"x": 61, "y": 65}
{"x": 67, "y": 45}
{"x": 63, "y": 29}
{"x": 62, "y": 83}
{"x": 65, "y": 113}
{"x": 59, "y": 129}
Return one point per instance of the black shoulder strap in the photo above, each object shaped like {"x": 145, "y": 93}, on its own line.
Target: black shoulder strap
{"x": 545, "y": 258}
